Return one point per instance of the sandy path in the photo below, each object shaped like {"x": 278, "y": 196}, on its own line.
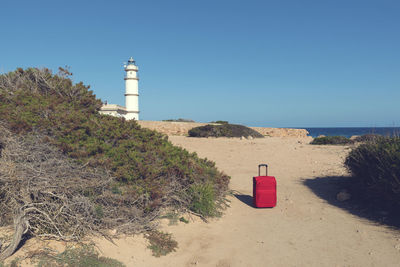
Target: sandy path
{"x": 303, "y": 230}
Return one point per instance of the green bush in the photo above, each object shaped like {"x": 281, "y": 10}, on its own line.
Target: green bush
{"x": 224, "y": 130}
{"x": 143, "y": 161}
{"x": 331, "y": 140}
{"x": 377, "y": 165}
{"x": 203, "y": 199}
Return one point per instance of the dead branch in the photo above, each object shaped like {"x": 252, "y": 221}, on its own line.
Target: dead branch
{"x": 21, "y": 227}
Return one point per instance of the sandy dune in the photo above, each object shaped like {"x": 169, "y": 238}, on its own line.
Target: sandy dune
{"x": 303, "y": 230}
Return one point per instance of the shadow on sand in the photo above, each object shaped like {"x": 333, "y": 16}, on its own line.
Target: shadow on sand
{"x": 363, "y": 202}
{"x": 246, "y": 199}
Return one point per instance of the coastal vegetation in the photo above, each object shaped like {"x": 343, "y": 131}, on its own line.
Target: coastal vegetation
{"x": 79, "y": 256}
{"x": 224, "y": 130}
{"x": 376, "y": 164}
{"x": 66, "y": 170}
{"x": 342, "y": 140}
{"x": 161, "y": 243}
{"x": 331, "y": 140}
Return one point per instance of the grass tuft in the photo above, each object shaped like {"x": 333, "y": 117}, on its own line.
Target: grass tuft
{"x": 182, "y": 219}
{"x": 203, "y": 199}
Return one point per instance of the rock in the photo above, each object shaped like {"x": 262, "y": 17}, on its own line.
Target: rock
{"x": 281, "y": 132}
{"x": 242, "y": 138}
{"x": 343, "y": 195}
{"x": 321, "y": 135}
{"x": 354, "y": 137}
{"x": 250, "y": 137}
{"x": 113, "y": 231}
{"x": 397, "y": 247}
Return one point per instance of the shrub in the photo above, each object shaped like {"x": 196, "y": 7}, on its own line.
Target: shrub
{"x": 368, "y": 138}
{"x": 224, "y": 130}
{"x": 81, "y": 256}
{"x": 59, "y": 198}
{"x": 331, "y": 140}
{"x": 202, "y": 199}
{"x": 68, "y": 113}
{"x": 161, "y": 243}
{"x": 377, "y": 165}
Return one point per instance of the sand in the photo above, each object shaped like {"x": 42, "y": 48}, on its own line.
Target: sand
{"x": 305, "y": 229}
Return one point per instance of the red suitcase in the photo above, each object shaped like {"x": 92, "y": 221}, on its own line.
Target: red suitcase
{"x": 264, "y": 189}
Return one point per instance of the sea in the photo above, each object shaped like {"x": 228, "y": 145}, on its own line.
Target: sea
{"x": 350, "y": 131}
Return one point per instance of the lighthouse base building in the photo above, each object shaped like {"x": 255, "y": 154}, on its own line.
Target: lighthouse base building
{"x": 131, "y": 109}
{"x": 113, "y": 110}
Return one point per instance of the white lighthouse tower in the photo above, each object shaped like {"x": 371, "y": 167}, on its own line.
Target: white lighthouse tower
{"x": 131, "y": 90}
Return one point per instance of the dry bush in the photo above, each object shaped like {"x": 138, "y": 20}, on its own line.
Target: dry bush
{"x": 45, "y": 194}
{"x": 161, "y": 243}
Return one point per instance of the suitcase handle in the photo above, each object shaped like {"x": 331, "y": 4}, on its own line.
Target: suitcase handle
{"x": 266, "y": 169}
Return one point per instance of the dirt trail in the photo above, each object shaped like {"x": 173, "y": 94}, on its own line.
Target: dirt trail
{"x": 303, "y": 230}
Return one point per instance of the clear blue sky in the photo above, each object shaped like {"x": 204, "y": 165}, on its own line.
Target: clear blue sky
{"x": 259, "y": 63}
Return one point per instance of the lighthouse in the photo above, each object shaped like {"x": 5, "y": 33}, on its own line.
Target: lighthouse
{"x": 131, "y": 90}
{"x": 131, "y": 109}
